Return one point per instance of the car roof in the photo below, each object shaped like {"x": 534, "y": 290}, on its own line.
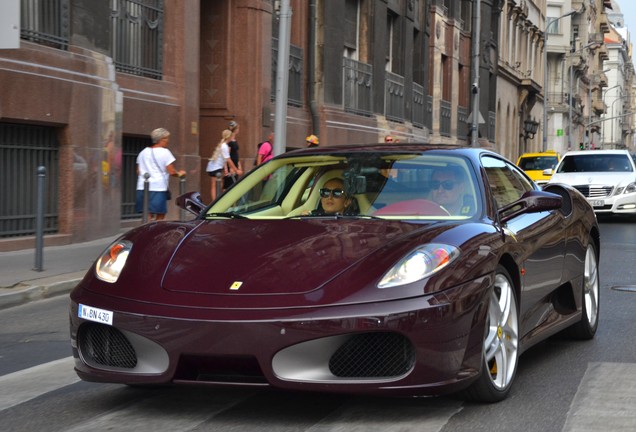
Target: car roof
{"x": 545, "y": 153}
{"x": 388, "y": 148}
{"x": 599, "y": 152}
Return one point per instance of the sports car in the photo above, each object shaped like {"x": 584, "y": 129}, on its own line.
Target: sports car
{"x": 389, "y": 269}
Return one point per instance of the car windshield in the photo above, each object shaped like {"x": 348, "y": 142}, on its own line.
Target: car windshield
{"x": 538, "y": 163}
{"x": 364, "y": 184}
{"x": 595, "y": 163}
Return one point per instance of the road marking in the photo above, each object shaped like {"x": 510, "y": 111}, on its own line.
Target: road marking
{"x": 604, "y": 400}
{"x": 183, "y": 410}
{"x": 27, "y": 384}
{"x": 383, "y": 416}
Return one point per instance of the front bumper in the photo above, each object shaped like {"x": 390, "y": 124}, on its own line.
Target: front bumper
{"x": 426, "y": 345}
{"x": 621, "y": 204}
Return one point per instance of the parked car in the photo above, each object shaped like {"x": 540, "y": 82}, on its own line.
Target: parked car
{"x": 607, "y": 178}
{"x": 392, "y": 293}
{"x": 539, "y": 166}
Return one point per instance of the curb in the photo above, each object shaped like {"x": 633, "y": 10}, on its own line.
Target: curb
{"x": 39, "y": 289}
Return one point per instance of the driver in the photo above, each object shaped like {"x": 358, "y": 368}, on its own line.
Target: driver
{"x": 333, "y": 199}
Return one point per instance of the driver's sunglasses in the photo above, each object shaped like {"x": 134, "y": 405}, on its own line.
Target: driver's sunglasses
{"x": 446, "y": 184}
{"x": 336, "y": 193}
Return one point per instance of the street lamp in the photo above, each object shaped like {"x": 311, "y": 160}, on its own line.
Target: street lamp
{"x": 622, "y": 97}
{"x": 545, "y": 76}
{"x": 608, "y": 89}
{"x": 530, "y": 128}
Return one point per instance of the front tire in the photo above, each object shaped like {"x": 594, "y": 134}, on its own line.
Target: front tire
{"x": 501, "y": 343}
{"x": 586, "y": 328}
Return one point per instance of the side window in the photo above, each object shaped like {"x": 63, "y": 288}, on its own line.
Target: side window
{"x": 505, "y": 180}
{"x": 523, "y": 184}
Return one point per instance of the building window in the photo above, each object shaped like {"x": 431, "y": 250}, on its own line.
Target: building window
{"x": 553, "y": 23}
{"x": 394, "y": 45}
{"x": 351, "y": 31}
{"x": 45, "y": 22}
{"x": 23, "y": 149}
{"x": 466, "y": 14}
{"x": 575, "y": 32}
{"x": 137, "y": 37}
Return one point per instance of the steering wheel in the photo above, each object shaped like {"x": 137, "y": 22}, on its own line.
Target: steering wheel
{"x": 416, "y": 207}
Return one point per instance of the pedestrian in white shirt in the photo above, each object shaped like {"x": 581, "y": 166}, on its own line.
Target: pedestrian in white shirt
{"x": 158, "y": 162}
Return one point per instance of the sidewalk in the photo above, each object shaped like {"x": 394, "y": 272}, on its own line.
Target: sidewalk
{"x": 63, "y": 267}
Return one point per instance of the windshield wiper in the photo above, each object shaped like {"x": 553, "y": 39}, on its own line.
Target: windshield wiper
{"x": 355, "y": 216}
{"x": 333, "y": 216}
{"x": 229, "y": 215}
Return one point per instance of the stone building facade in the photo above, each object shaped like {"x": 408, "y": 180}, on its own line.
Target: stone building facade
{"x": 91, "y": 82}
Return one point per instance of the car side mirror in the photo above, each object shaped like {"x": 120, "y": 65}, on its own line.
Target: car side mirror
{"x": 531, "y": 202}
{"x": 191, "y": 202}
{"x": 548, "y": 172}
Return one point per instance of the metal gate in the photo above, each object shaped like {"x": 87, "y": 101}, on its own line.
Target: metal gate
{"x": 131, "y": 146}
{"x": 22, "y": 149}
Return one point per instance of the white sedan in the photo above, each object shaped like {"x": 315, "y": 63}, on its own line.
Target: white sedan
{"x": 607, "y": 178}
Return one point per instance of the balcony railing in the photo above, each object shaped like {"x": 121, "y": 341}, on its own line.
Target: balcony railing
{"x": 137, "y": 37}
{"x": 418, "y": 112}
{"x": 462, "y": 124}
{"x": 295, "y": 79}
{"x": 357, "y": 87}
{"x": 445, "y": 118}
{"x": 45, "y": 22}
{"x": 394, "y": 97}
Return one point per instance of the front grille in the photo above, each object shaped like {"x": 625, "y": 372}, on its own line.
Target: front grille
{"x": 595, "y": 191}
{"x": 373, "y": 355}
{"x": 222, "y": 369}
{"x": 102, "y": 345}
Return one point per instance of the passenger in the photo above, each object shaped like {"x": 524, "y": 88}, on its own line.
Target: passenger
{"x": 448, "y": 187}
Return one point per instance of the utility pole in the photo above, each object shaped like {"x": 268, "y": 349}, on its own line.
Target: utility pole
{"x": 282, "y": 78}
{"x": 474, "y": 129}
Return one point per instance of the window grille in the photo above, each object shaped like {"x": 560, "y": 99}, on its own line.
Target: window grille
{"x": 45, "y": 22}
{"x": 23, "y": 148}
{"x": 137, "y": 37}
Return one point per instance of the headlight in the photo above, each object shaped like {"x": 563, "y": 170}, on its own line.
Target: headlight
{"x": 111, "y": 263}
{"x": 419, "y": 264}
{"x": 631, "y": 188}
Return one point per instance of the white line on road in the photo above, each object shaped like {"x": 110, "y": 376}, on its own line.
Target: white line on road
{"x": 605, "y": 399}
{"x": 27, "y": 384}
{"x": 371, "y": 417}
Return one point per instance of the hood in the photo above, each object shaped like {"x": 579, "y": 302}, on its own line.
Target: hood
{"x": 594, "y": 178}
{"x": 248, "y": 257}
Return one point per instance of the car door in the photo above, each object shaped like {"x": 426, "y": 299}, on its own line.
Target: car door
{"x": 536, "y": 240}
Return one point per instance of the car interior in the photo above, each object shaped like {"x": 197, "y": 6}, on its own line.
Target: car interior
{"x": 396, "y": 186}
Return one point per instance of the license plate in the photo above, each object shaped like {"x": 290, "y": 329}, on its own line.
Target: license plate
{"x": 94, "y": 314}
{"x": 598, "y": 203}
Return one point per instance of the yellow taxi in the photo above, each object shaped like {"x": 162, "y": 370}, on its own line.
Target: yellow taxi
{"x": 536, "y": 164}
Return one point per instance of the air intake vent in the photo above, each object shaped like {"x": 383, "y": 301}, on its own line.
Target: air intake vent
{"x": 102, "y": 345}
{"x": 373, "y": 355}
